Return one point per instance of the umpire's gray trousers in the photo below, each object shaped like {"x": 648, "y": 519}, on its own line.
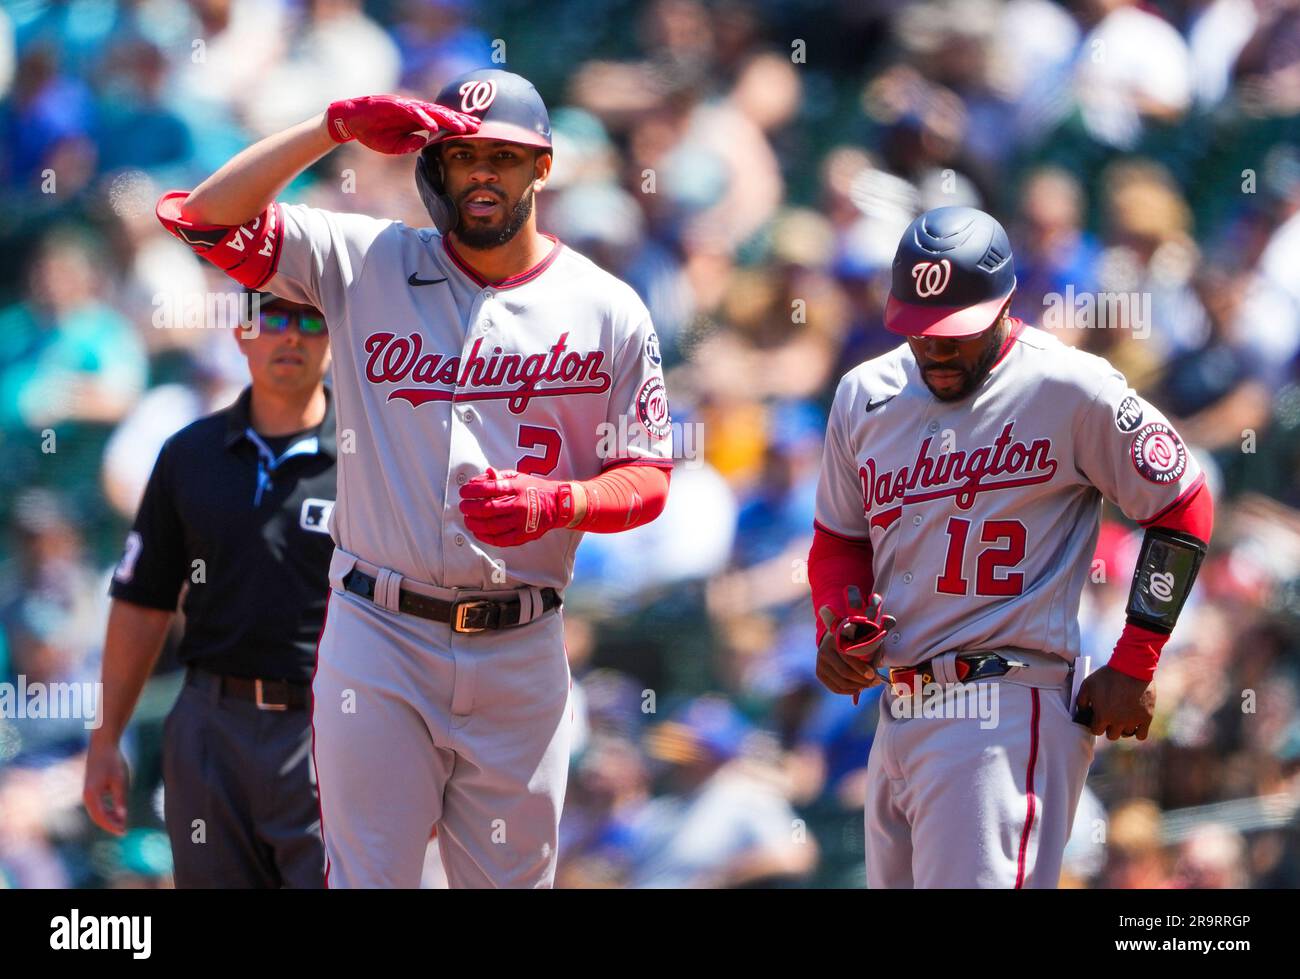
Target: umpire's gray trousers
{"x": 240, "y": 792}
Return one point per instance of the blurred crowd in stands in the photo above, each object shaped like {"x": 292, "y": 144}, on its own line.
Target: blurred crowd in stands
{"x": 748, "y": 168}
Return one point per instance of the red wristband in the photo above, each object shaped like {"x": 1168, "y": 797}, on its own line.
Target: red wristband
{"x": 1138, "y": 652}
{"x": 564, "y": 505}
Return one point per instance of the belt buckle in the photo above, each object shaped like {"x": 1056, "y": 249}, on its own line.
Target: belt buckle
{"x": 259, "y": 699}
{"x": 462, "y": 610}
{"x": 902, "y": 679}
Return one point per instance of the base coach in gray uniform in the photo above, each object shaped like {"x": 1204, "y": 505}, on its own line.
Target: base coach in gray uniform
{"x": 237, "y": 511}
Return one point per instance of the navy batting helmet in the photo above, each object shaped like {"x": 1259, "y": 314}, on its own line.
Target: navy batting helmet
{"x": 509, "y": 109}
{"x": 952, "y": 274}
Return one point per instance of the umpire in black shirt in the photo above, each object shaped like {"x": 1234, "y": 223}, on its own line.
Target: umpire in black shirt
{"x": 236, "y": 512}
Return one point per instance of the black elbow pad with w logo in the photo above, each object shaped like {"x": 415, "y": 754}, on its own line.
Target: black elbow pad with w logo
{"x": 1166, "y": 569}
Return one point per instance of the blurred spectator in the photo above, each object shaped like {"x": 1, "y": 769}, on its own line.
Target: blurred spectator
{"x": 1268, "y": 67}
{"x": 437, "y": 42}
{"x": 726, "y": 821}
{"x": 923, "y": 126}
{"x": 228, "y": 48}
{"x": 70, "y": 367}
{"x": 1149, "y": 259}
{"x": 46, "y": 123}
{"x": 7, "y": 54}
{"x": 48, "y": 626}
{"x": 155, "y": 271}
{"x": 1133, "y": 69}
{"x": 131, "y": 451}
{"x": 1221, "y": 387}
{"x": 65, "y": 354}
{"x": 1217, "y": 31}
{"x": 29, "y": 857}
{"x": 691, "y": 540}
{"x": 135, "y": 127}
{"x": 779, "y": 508}
{"x": 1213, "y": 857}
{"x": 1054, "y": 254}
{"x": 1032, "y": 64}
{"x": 1134, "y": 855}
{"x": 606, "y": 224}
{"x": 610, "y": 786}
{"x": 786, "y": 317}
{"x": 869, "y": 208}
{"x": 336, "y": 52}
{"x": 1281, "y": 252}
{"x": 52, "y": 592}
{"x": 951, "y": 41}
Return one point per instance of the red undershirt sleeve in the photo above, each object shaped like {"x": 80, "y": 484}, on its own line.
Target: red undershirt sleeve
{"x": 624, "y": 497}
{"x": 834, "y": 562}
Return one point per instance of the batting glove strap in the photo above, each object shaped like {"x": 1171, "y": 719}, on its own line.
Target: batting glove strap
{"x": 564, "y": 505}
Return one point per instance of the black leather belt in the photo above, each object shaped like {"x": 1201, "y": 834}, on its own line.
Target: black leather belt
{"x": 266, "y": 694}
{"x": 465, "y": 615}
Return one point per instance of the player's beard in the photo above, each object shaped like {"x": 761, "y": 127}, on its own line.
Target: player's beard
{"x": 484, "y": 238}
{"x": 975, "y": 376}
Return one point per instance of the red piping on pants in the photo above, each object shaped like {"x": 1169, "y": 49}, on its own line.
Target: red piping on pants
{"x": 1029, "y": 791}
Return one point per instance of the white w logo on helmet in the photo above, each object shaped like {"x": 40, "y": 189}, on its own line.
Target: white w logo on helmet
{"x": 477, "y": 95}
{"x": 931, "y": 277}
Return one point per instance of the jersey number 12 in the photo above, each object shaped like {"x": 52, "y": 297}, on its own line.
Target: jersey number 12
{"x": 991, "y": 560}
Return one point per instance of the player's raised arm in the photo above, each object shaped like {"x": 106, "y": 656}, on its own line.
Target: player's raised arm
{"x": 232, "y": 219}
{"x": 248, "y": 182}
{"x": 244, "y": 187}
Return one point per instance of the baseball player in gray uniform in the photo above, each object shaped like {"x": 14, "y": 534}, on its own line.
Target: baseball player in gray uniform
{"x": 957, "y": 516}
{"x": 482, "y": 373}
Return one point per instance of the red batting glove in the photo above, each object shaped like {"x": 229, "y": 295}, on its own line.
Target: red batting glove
{"x": 393, "y": 124}
{"x": 860, "y": 632}
{"x": 505, "y": 508}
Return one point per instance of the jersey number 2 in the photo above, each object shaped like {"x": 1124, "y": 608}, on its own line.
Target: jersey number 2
{"x": 531, "y": 437}
{"x": 990, "y": 560}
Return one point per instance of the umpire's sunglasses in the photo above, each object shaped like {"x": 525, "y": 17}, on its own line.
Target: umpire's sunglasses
{"x": 279, "y": 320}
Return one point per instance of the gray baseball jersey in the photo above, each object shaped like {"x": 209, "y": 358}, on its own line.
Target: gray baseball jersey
{"x": 983, "y": 514}
{"x": 439, "y": 374}
{"x": 983, "y": 517}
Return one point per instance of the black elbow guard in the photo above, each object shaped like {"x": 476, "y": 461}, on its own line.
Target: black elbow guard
{"x": 1166, "y": 569}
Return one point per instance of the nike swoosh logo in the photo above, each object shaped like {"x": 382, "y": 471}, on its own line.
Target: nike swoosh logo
{"x": 873, "y": 405}
{"x": 415, "y": 280}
